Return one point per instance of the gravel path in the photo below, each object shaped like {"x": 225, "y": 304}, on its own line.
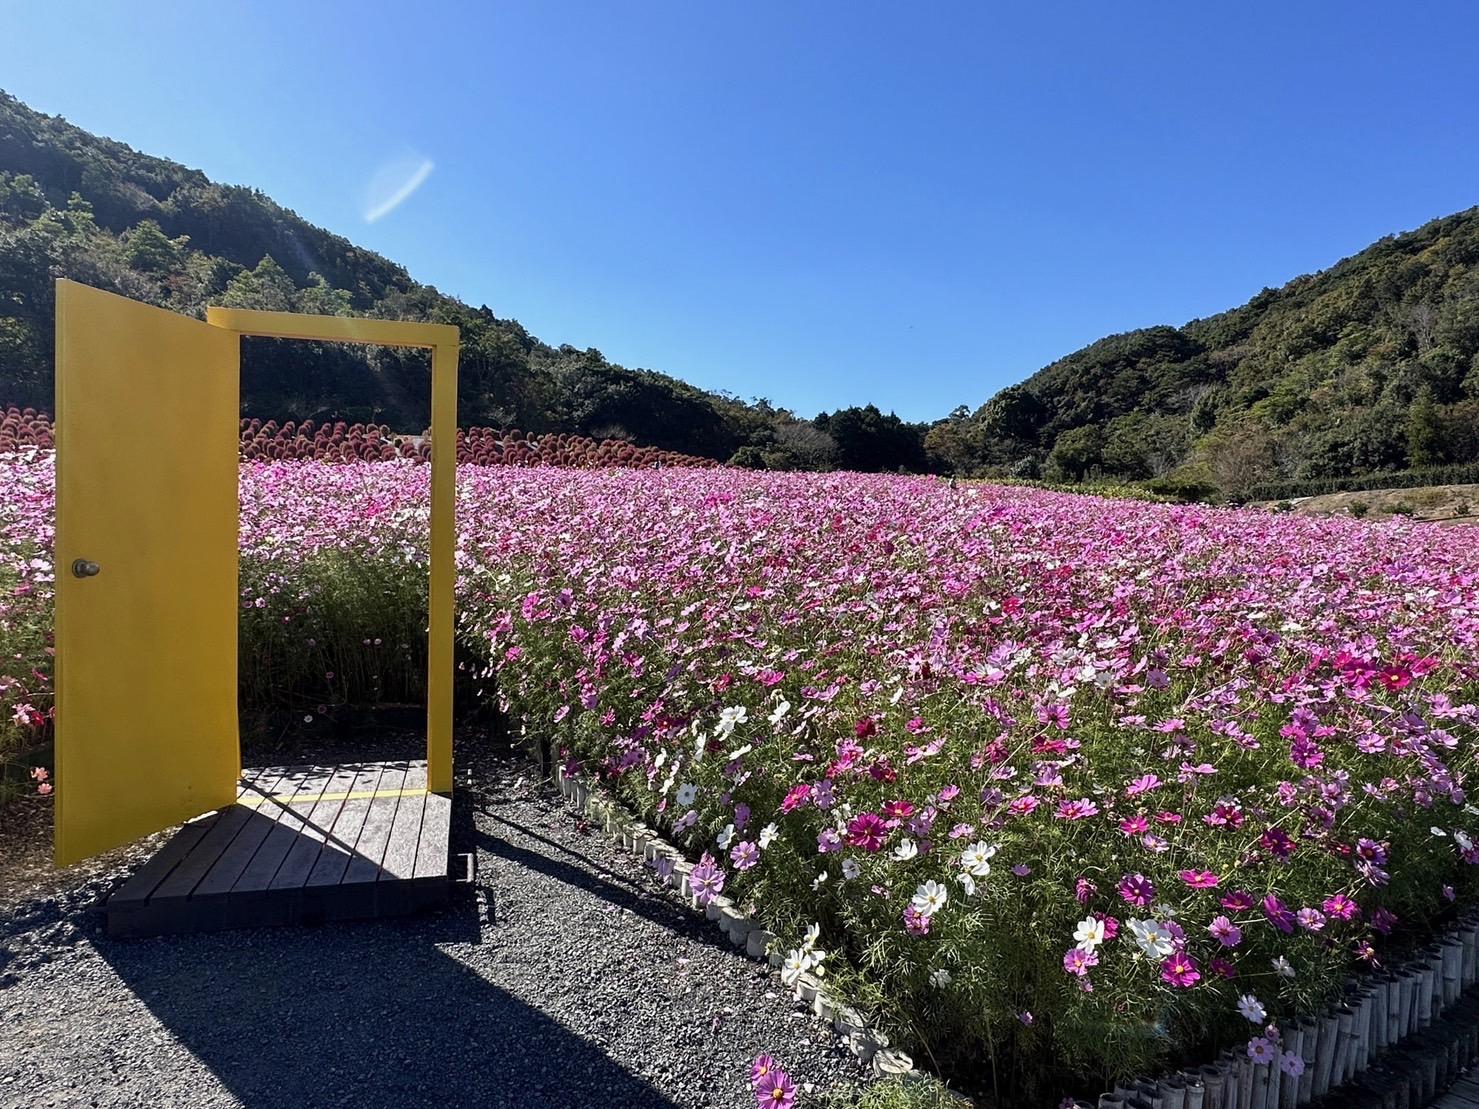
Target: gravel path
{"x": 571, "y": 981}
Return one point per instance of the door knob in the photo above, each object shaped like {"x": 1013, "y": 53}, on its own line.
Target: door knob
{"x": 82, "y": 568}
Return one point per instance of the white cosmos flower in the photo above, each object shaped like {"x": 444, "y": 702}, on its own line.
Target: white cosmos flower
{"x": 700, "y": 742}
{"x": 850, "y": 868}
{"x": 906, "y": 850}
{"x": 1464, "y": 842}
{"x": 976, "y": 859}
{"x": 793, "y": 967}
{"x": 816, "y": 883}
{"x": 1283, "y": 967}
{"x": 940, "y": 978}
{"x": 929, "y": 898}
{"x": 813, "y": 934}
{"x": 768, "y": 834}
{"x": 1252, "y": 1009}
{"x": 687, "y": 794}
{"x": 740, "y": 752}
{"x": 726, "y": 837}
{"x": 967, "y": 883}
{"x": 1089, "y": 933}
{"x": 731, "y": 717}
{"x": 1154, "y": 938}
{"x": 779, "y": 712}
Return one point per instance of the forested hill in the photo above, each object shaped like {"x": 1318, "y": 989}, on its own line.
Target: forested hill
{"x": 1371, "y": 365}
{"x": 76, "y": 205}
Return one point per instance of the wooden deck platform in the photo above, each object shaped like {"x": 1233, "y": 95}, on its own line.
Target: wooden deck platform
{"x": 303, "y": 844}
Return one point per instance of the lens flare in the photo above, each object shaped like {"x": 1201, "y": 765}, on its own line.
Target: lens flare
{"x": 393, "y": 184}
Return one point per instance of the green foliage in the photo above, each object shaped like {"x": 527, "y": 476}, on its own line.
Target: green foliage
{"x": 1356, "y": 508}
{"x": 924, "y": 1092}
{"x": 869, "y": 440}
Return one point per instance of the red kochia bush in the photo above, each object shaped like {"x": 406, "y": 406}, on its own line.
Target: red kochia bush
{"x": 476, "y": 446}
{"x": 269, "y": 440}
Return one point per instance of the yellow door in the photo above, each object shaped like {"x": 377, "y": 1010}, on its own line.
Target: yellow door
{"x": 147, "y": 430}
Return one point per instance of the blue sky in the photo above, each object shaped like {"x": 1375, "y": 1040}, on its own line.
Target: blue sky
{"x": 913, "y": 204}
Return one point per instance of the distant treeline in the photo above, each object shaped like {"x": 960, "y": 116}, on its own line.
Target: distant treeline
{"x": 1370, "y": 366}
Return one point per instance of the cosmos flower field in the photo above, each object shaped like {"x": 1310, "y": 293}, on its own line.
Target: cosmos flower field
{"x": 1064, "y": 789}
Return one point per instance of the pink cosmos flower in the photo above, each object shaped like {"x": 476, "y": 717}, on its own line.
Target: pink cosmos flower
{"x": 1225, "y": 932}
{"x": 1134, "y": 825}
{"x": 1084, "y": 890}
{"x": 1143, "y": 784}
{"x": 1238, "y": 901}
{"x": 775, "y": 1090}
{"x": 1077, "y": 961}
{"x": 1291, "y": 1064}
{"x": 1181, "y": 971}
{"x": 914, "y": 923}
{"x": 761, "y": 1067}
{"x": 744, "y": 855}
{"x": 1076, "y": 810}
{"x": 1311, "y": 920}
{"x": 706, "y": 880}
{"x": 1342, "y": 907}
{"x": 795, "y": 798}
{"x": 1198, "y": 879}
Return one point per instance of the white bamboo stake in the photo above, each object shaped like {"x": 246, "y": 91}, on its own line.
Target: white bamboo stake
{"x": 1214, "y": 1078}
{"x": 1453, "y": 970}
{"x": 1344, "y": 1042}
{"x": 1309, "y": 1033}
{"x": 1329, "y": 1041}
{"x": 1289, "y": 1086}
{"x": 1261, "y": 1079}
{"x": 1422, "y": 988}
{"x": 1361, "y": 1035}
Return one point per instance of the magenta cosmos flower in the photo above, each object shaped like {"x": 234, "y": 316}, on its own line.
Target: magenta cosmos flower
{"x": 1341, "y": 907}
{"x": 866, "y": 831}
{"x": 1181, "y": 971}
{"x": 1198, "y": 879}
{"x": 745, "y": 855}
{"x": 1137, "y": 890}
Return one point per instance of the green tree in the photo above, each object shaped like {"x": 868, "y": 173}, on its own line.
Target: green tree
{"x": 147, "y": 248}
{"x": 267, "y": 288}
{"x": 1425, "y": 441}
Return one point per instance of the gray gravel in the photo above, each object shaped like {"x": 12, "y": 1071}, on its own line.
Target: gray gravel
{"x": 569, "y": 979}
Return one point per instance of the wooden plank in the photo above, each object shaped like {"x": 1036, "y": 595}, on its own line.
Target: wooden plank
{"x": 264, "y": 864}
{"x": 316, "y": 826}
{"x": 344, "y": 835}
{"x": 146, "y": 879}
{"x": 436, "y": 827}
{"x": 231, "y": 862}
{"x": 405, "y": 832}
{"x": 186, "y": 877}
{"x": 369, "y": 852}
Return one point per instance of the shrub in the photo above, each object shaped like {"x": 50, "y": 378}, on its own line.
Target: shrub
{"x": 1359, "y": 508}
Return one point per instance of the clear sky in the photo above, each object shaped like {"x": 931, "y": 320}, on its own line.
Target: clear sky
{"x": 825, "y": 203}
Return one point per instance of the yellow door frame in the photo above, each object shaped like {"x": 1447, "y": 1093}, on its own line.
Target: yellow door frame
{"x": 442, "y": 340}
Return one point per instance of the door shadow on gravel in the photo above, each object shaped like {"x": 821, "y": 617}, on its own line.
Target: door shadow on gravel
{"x": 370, "y": 1014}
